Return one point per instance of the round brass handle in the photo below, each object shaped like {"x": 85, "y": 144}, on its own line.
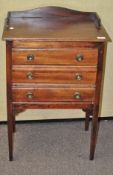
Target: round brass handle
{"x": 30, "y": 75}
{"x": 29, "y": 95}
{"x": 78, "y": 77}
{"x": 77, "y": 95}
{"x": 79, "y": 57}
{"x": 30, "y": 57}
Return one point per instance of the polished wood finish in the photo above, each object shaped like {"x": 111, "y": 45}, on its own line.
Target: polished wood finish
{"x": 52, "y": 94}
{"x": 94, "y": 131}
{"x": 54, "y": 24}
{"x": 10, "y": 117}
{"x": 55, "y": 74}
{"x": 55, "y": 59}
{"x": 56, "y": 56}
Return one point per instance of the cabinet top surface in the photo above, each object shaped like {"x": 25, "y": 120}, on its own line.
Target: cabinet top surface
{"x": 54, "y": 24}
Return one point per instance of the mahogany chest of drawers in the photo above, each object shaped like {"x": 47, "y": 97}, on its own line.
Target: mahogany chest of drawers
{"x": 55, "y": 59}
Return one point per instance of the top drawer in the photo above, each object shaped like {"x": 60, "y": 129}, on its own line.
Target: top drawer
{"x": 63, "y": 56}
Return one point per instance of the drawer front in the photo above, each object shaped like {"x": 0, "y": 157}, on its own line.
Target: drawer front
{"x": 58, "y": 76}
{"x": 53, "y": 94}
{"x": 77, "y": 56}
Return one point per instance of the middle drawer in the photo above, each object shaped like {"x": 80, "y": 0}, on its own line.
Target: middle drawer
{"x": 54, "y": 74}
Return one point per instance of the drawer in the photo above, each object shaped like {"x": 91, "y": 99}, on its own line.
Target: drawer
{"x": 77, "y": 56}
{"x": 51, "y": 74}
{"x": 53, "y": 94}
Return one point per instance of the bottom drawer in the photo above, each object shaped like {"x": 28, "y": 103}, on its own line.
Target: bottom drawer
{"x": 53, "y": 94}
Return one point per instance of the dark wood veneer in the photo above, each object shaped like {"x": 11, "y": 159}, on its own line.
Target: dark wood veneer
{"x": 54, "y": 59}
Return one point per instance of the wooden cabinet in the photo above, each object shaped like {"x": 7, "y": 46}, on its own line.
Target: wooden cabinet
{"x": 55, "y": 58}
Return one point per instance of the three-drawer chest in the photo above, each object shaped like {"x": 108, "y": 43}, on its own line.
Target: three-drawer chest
{"x": 55, "y": 58}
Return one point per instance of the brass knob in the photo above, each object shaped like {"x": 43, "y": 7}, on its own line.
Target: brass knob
{"x": 30, "y": 75}
{"x": 79, "y": 57}
{"x": 30, "y": 57}
{"x": 78, "y": 77}
{"x": 29, "y": 95}
{"x": 77, "y": 95}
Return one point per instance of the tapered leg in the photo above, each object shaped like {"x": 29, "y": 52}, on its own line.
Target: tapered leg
{"x": 14, "y": 127}
{"x": 87, "y": 117}
{"x": 94, "y": 133}
{"x": 88, "y": 112}
{"x": 10, "y": 131}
